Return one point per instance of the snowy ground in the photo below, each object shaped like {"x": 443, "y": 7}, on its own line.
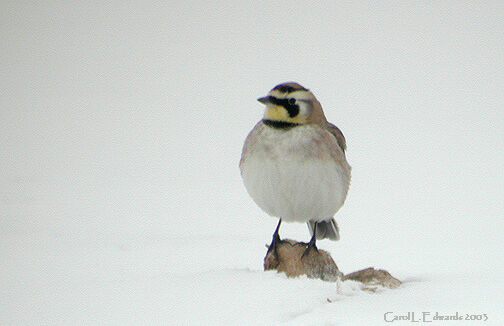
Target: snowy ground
{"x": 121, "y": 129}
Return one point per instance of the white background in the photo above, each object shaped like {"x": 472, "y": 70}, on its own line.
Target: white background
{"x": 121, "y": 127}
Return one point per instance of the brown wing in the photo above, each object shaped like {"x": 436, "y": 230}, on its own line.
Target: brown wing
{"x": 338, "y": 134}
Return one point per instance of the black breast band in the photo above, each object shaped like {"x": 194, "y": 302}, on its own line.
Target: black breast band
{"x": 280, "y": 124}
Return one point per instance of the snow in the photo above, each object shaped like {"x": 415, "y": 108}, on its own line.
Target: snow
{"x": 121, "y": 128}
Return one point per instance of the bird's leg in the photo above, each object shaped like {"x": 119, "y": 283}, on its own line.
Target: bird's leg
{"x": 311, "y": 244}
{"x": 274, "y": 243}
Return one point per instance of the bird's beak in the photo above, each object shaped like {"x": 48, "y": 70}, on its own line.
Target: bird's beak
{"x": 265, "y": 100}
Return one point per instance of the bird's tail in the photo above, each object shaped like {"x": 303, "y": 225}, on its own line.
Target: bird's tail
{"x": 325, "y": 229}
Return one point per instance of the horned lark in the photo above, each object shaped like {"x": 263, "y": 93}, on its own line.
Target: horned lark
{"x": 293, "y": 163}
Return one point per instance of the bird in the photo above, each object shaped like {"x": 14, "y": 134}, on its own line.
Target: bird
{"x": 293, "y": 164}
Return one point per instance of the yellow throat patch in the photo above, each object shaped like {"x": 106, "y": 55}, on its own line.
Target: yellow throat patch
{"x": 279, "y": 113}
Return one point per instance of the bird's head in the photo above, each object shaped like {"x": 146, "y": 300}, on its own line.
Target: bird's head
{"x": 291, "y": 102}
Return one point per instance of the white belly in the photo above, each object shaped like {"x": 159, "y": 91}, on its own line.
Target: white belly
{"x": 291, "y": 185}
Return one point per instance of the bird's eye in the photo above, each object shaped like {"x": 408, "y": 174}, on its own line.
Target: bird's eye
{"x": 292, "y": 101}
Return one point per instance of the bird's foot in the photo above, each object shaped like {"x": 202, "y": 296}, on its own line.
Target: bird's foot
{"x": 309, "y": 246}
{"x": 274, "y": 246}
